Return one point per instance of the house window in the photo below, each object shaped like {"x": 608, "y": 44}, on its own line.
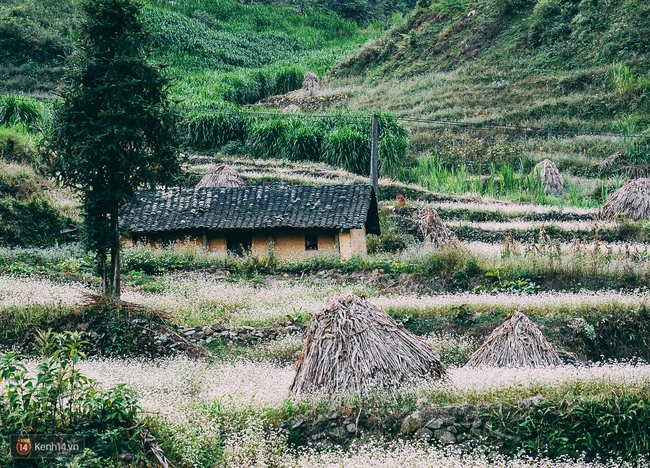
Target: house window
{"x": 239, "y": 244}
{"x": 311, "y": 241}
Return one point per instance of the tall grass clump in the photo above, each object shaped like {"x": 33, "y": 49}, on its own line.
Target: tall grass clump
{"x": 16, "y": 110}
{"x": 628, "y": 83}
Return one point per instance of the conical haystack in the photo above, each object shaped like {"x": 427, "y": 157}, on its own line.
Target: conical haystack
{"x": 310, "y": 83}
{"x": 220, "y": 176}
{"x": 434, "y": 230}
{"x": 632, "y": 200}
{"x": 352, "y": 346}
{"x": 550, "y": 175}
{"x": 517, "y": 342}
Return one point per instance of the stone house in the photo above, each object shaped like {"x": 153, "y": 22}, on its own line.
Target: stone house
{"x": 289, "y": 221}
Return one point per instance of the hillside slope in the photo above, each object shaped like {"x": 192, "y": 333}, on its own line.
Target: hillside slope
{"x": 547, "y": 62}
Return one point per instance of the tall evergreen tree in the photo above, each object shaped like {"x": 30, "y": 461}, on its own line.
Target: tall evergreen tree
{"x": 114, "y": 132}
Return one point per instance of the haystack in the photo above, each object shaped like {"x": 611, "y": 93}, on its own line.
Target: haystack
{"x": 517, "y": 342}
{"x": 310, "y": 83}
{"x": 632, "y": 200}
{"x": 352, "y": 346}
{"x": 434, "y": 230}
{"x": 550, "y": 175}
{"x": 220, "y": 176}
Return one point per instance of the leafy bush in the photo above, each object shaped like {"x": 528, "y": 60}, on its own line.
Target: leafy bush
{"x": 213, "y": 130}
{"x": 349, "y": 149}
{"x": 34, "y": 222}
{"x": 18, "y": 110}
{"x": 60, "y": 400}
{"x": 16, "y": 145}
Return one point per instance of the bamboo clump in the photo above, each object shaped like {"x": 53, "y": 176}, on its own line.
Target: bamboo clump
{"x": 631, "y": 200}
{"x": 433, "y": 229}
{"x": 353, "y": 346}
{"x": 220, "y": 176}
{"x": 517, "y": 342}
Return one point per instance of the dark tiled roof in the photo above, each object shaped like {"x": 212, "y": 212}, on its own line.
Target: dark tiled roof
{"x": 221, "y": 208}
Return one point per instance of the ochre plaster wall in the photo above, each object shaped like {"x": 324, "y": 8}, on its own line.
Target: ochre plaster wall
{"x": 353, "y": 242}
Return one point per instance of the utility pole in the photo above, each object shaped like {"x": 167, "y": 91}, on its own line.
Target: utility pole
{"x": 374, "y": 156}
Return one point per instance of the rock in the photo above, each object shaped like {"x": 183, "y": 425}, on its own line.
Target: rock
{"x": 331, "y": 415}
{"x": 188, "y": 333}
{"x": 297, "y": 422}
{"x": 477, "y": 424}
{"x": 532, "y": 401}
{"x": 423, "y": 433}
{"x": 337, "y": 433}
{"x": 445, "y": 437}
{"x": 207, "y": 330}
{"x": 351, "y": 428}
{"x": 422, "y": 403}
{"x": 452, "y": 429}
{"x": 411, "y": 423}
{"x": 198, "y": 336}
{"x": 435, "y": 423}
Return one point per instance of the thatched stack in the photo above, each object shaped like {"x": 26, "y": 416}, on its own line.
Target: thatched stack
{"x": 550, "y": 175}
{"x": 517, "y": 342}
{"x": 632, "y": 200}
{"x": 220, "y": 176}
{"x": 352, "y": 346}
{"x": 434, "y": 230}
{"x": 310, "y": 83}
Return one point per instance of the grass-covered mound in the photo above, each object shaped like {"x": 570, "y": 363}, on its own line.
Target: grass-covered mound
{"x": 515, "y": 61}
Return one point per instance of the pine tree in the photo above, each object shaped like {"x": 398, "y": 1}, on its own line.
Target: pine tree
{"x": 115, "y": 129}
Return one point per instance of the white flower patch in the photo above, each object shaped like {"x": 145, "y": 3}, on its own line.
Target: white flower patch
{"x": 540, "y": 301}
{"x": 411, "y": 454}
{"x": 21, "y": 292}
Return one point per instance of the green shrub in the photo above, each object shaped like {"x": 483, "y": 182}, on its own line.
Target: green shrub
{"x": 266, "y": 137}
{"x": 35, "y": 222}
{"x": 60, "y": 400}
{"x": 213, "y": 130}
{"x": 348, "y": 149}
{"x": 19, "y": 110}
{"x": 302, "y": 140}
{"x": 16, "y": 145}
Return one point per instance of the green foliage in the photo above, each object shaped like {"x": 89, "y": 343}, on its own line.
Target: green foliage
{"x": 59, "y": 399}
{"x": 613, "y": 425}
{"x": 627, "y": 83}
{"x": 34, "y": 222}
{"x": 349, "y": 149}
{"x": 115, "y": 131}
{"x": 19, "y": 110}
{"x": 16, "y": 145}
{"x": 212, "y": 131}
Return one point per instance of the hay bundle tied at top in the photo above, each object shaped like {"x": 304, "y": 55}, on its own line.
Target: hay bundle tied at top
{"x": 550, "y": 175}
{"x": 632, "y": 200}
{"x": 434, "y": 230}
{"x": 310, "y": 83}
{"x": 220, "y": 176}
{"x": 517, "y": 342}
{"x": 353, "y": 346}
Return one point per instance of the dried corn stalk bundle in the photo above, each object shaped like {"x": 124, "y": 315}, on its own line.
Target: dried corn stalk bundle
{"x": 517, "y": 342}
{"x": 310, "y": 83}
{"x": 550, "y": 175}
{"x": 434, "y": 230}
{"x": 352, "y": 346}
{"x": 632, "y": 200}
{"x": 221, "y": 176}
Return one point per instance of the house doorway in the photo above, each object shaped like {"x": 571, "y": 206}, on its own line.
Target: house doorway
{"x": 239, "y": 244}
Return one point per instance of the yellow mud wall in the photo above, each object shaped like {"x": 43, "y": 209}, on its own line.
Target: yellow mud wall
{"x": 260, "y": 245}
{"x": 216, "y": 244}
{"x": 353, "y": 242}
{"x": 288, "y": 245}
